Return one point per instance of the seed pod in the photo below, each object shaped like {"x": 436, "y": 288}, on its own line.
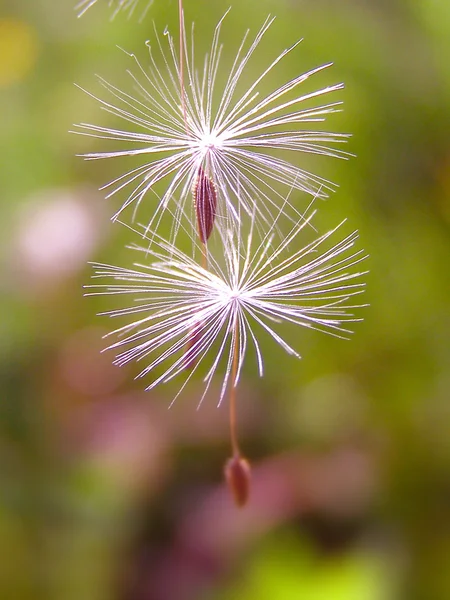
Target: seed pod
{"x": 237, "y": 475}
{"x": 205, "y": 203}
{"x": 190, "y": 357}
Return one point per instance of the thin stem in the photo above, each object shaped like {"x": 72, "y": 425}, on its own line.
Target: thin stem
{"x": 233, "y": 418}
{"x": 182, "y": 38}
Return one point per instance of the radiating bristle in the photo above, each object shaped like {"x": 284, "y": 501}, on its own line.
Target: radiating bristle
{"x": 237, "y": 475}
{"x": 205, "y": 203}
{"x": 116, "y": 6}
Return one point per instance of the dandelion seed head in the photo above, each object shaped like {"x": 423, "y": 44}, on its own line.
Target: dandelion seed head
{"x": 249, "y": 141}
{"x": 182, "y": 317}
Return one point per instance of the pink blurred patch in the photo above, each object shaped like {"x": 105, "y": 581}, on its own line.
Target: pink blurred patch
{"x": 57, "y": 233}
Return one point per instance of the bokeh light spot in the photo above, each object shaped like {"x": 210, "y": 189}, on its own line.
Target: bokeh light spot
{"x": 18, "y": 51}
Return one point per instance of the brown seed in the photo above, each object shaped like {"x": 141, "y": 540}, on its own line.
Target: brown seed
{"x": 205, "y": 203}
{"x": 237, "y": 475}
{"x": 190, "y": 358}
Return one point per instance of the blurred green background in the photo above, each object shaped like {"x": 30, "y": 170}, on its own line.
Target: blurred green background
{"x": 104, "y": 493}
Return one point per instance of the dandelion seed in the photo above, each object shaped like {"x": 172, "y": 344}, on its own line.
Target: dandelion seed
{"x": 116, "y": 5}
{"x": 184, "y": 317}
{"x": 241, "y": 140}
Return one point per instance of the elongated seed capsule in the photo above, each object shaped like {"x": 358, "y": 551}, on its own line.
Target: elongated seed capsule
{"x": 190, "y": 358}
{"x": 205, "y": 203}
{"x": 237, "y": 475}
